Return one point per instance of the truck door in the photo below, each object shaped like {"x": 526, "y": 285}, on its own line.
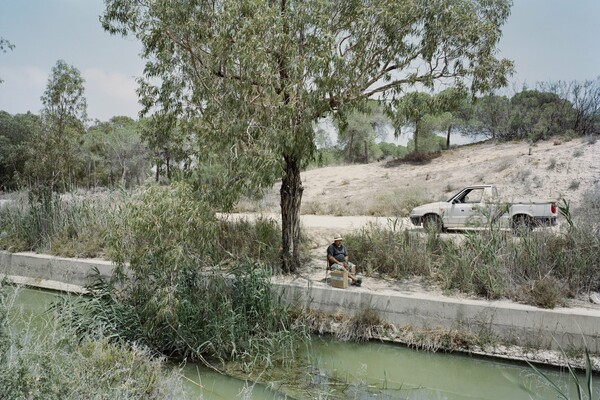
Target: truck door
{"x": 469, "y": 209}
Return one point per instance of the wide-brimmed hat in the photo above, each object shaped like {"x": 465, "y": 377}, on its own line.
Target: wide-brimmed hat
{"x": 337, "y": 236}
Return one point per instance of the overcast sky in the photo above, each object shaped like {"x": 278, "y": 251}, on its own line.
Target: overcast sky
{"x": 548, "y": 40}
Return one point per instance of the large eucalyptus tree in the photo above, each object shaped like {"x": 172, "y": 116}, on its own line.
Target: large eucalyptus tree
{"x": 258, "y": 73}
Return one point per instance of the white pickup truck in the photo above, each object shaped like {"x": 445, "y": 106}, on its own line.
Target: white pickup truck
{"x": 477, "y": 207}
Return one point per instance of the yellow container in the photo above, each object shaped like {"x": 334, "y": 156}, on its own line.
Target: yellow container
{"x": 338, "y": 279}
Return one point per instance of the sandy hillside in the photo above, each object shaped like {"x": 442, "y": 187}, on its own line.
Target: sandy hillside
{"x": 555, "y": 169}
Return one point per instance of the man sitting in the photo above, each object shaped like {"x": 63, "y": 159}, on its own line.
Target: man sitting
{"x": 337, "y": 257}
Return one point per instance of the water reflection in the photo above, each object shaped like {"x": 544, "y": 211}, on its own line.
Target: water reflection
{"x": 387, "y": 371}
{"x": 207, "y": 384}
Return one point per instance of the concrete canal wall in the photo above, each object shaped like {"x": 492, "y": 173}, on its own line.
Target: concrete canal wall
{"x": 522, "y": 325}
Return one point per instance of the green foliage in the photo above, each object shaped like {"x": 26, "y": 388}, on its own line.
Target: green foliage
{"x": 170, "y": 142}
{"x": 475, "y": 266}
{"x": 412, "y": 109}
{"x": 391, "y": 150}
{"x": 202, "y": 316}
{"x": 326, "y": 157}
{"x": 492, "y": 115}
{"x": 166, "y": 294}
{"x": 5, "y": 45}
{"x": 16, "y": 132}
{"x": 51, "y": 165}
{"x": 49, "y": 155}
{"x": 112, "y": 154}
{"x": 164, "y": 228}
{"x": 585, "y": 390}
{"x": 259, "y": 241}
{"x": 540, "y": 268}
{"x": 358, "y": 131}
{"x": 562, "y": 108}
{"x": 538, "y": 115}
{"x": 51, "y": 362}
{"x": 394, "y": 253}
{"x": 222, "y": 180}
{"x": 429, "y": 115}
{"x": 428, "y": 141}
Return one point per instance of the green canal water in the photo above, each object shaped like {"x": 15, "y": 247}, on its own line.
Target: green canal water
{"x": 372, "y": 370}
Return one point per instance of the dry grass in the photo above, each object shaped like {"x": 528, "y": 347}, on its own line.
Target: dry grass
{"x": 363, "y": 326}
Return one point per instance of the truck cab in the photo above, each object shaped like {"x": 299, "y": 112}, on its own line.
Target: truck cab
{"x": 470, "y": 206}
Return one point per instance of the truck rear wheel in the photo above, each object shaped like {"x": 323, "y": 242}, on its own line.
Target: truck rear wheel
{"x": 432, "y": 223}
{"x": 522, "y": 224}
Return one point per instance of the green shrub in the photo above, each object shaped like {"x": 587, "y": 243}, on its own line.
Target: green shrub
{"x": 546, "y": 293}
{"x": 476, "y": 265}
{"x": 259, "y": 240}
{"x": 169, "y": 293}
{"x": 51, "y": 362}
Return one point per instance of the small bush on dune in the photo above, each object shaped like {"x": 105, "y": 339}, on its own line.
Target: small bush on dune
{"x": 399, "y": 203}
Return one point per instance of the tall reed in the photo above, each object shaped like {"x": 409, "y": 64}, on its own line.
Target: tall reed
{"x": 65, "y": 225}
{"x": 46, "y": 361}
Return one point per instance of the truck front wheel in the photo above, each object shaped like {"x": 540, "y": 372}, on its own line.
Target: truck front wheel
{"x": 432, "y": 223}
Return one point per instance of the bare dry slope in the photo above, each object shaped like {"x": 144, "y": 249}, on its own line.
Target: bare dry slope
{"x": 554, "y": 169}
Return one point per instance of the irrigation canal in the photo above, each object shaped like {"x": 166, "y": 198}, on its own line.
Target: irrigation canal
{"x": 372, "y": 370}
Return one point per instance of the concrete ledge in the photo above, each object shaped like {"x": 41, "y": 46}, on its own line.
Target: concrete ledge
{"x": 42, "y": 267}
{"x": 43, "y": 284}
{"x": 522, "y": 325}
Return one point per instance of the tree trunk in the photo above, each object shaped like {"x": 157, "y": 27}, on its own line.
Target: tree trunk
{"x": 416, "y": 137}
{"x": 157, "y": 175}
{"x": 350, "y": 144}
{"x": 168, "y": 165}
{"x": 448, "y": 137}
{"x": 291, "y": 197}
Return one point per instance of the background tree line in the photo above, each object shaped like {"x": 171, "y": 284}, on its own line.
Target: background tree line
{"x": 550, "y": 109}
{"x": 106, "y": 154}
{"x": 60, "y": 150}
{"x": 63, "y": 152}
